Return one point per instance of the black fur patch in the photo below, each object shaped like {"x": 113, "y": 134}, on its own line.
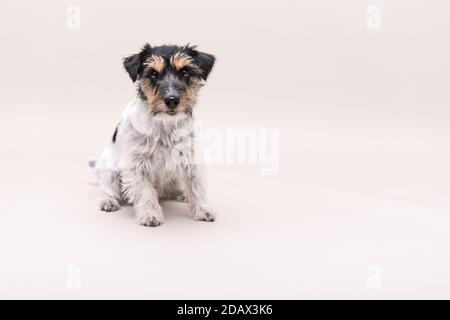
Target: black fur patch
{"x": 114, "y": 137}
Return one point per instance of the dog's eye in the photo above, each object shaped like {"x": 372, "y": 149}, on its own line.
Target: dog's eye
{"x": 185, "y": 74}
{"x": 153, "y": 74}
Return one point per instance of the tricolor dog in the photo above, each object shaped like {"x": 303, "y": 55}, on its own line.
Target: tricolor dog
{"x": 150, "y": 156}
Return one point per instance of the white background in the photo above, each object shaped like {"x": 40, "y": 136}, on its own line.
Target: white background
{"x": 358, "y": 209}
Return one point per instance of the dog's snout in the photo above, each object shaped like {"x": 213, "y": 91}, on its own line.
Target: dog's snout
{"x": 172, "y": 102}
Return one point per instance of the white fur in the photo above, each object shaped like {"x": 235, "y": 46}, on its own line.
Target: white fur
{"x": 139, "y": 168}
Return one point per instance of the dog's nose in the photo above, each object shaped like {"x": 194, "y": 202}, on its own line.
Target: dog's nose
{"x": 172, "y": 102}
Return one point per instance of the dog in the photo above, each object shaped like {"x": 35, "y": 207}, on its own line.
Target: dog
{"x": 150, "y": 156}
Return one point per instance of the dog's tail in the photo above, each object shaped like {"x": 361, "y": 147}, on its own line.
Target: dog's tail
{"x": 92, "y": 162}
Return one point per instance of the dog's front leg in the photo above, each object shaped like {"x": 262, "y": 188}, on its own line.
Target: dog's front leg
{"x": 142, "y": 194}
{"x": 196, "y": 196}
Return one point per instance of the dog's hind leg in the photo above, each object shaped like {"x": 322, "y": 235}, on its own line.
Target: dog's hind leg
{"x": 110, "y": 185}
{"x": 109, "y": 180}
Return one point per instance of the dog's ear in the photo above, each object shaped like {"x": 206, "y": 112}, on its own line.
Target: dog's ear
{"x": 134, "y": 64}
{"x": 204, "y": 60}
{"x": 131, "y": 64}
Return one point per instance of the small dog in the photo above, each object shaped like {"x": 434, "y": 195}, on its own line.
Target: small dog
{"x": 150, "y": 155}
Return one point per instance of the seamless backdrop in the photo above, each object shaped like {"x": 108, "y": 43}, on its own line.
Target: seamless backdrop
{"x": 358, "y": 209}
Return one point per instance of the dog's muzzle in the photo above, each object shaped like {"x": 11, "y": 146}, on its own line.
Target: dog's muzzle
{"x": 171, "y": 89}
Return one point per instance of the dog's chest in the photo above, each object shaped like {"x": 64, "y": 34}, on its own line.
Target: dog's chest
{"x": 162, "y": 155}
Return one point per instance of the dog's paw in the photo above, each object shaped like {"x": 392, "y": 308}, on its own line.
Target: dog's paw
{"x": 205, "y": 215}
{"x": 149, "y": 220}
{"x": 109, "y": 205}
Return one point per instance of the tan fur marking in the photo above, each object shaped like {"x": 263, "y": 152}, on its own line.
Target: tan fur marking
{"x": 189, "y": 99}
{"x": 156, "y": 102}
{"x": 155, "y": 62}
{"x": 181, "y": 60}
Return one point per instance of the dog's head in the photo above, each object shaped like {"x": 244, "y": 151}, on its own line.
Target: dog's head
{"x": 169, "y": 77}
